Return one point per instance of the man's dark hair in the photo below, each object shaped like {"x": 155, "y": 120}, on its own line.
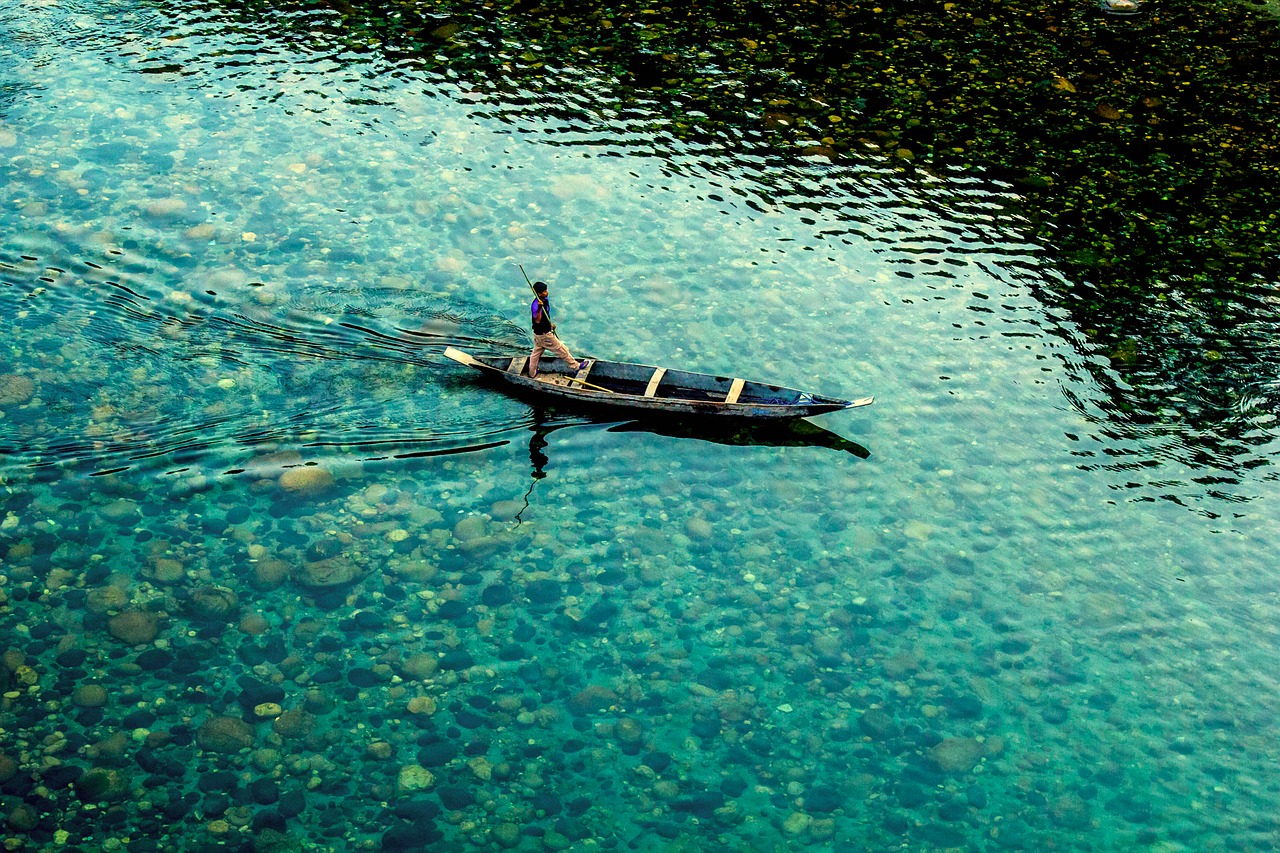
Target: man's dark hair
{"x": 539, "y": 287}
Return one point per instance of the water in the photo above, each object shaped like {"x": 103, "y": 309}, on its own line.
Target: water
{"x": 277, "y": 573}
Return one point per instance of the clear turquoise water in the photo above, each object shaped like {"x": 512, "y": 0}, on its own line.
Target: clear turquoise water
{"x": 985, "y": 613}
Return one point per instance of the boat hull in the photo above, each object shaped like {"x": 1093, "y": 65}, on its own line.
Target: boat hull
{"x": 651, "y": 390}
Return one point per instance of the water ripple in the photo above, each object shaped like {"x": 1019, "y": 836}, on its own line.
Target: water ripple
{"x": 146, "y": 375}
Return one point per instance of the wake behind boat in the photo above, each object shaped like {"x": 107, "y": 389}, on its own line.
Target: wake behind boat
{"x": 655, "y": 389}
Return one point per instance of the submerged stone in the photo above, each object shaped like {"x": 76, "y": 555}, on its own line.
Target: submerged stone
{"x": 1130, "y": 808}
{"x": 964, "y": 707}
{"x": 165, "y": 208}
{"x": 134, "y": 627}
{"x": 415, "y": 777}
{"x": 707, "y": 724}
{"x": 292, "y": 803}
{"x": 506, "y": 835}
{"x": 254, "y": 692}
{"x": 543, "y": 591}
{"x": 611, "y": 577}
{"x": 1054, "y": 714}
{"x": 594, "y": 697}
{"x": 90, "y": 696}
{"x": 420, "y": 665}
{"x": 455, "y": 797}
{"x": 910, "y": 795}
{"x": 294, "y": 723}
{"x": 102, "y": 785}
{"x": 214, "y": 603}
{"x": 469, "y": 529}
{"x": 22, "y": 817}
{"x": 327, "y": 573}
{"x": 716, "y": 679}
{"x": 225, "y": 735}
{"x": 1070, "y": 811}
{"x": 306, "y": 481}
{"x": 15, "y": 389}
{"x": 822, "y": 799}
{"x": 269, "y": 573}
{"x": 702, "y": 804}
{"x": 512, "y": 652}
{"x": 456, "y": 659}
{"x": 877, "y": 724}
{"x": 976, "y": 797}
{"x": 796, "y": 823}
{"x": 496, "y": 595}
{"x": 957, "y": 754}
{"x": 453, "y": 609}
{"x": 363, "y": 677}
{"x": 437, "y": 753}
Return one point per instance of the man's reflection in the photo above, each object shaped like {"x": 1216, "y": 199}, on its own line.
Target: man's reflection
{"x": 537, "y": 458}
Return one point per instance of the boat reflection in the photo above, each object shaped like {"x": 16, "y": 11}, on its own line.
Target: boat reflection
{"x": 797, "y": 433}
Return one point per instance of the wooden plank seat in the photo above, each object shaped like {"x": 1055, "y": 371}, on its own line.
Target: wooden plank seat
{"x": 735, "y": 391}
{"x": 654, "y": 380}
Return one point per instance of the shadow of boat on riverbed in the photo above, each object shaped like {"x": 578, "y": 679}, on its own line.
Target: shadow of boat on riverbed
{"x": 799, "y": 433}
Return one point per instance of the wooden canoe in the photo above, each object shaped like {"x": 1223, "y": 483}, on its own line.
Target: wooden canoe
{"x": 655, "y": 389}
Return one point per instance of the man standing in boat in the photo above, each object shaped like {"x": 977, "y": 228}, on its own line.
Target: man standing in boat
{"x": 544, "y": 332}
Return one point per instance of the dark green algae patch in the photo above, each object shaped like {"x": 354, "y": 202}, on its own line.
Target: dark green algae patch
{"x": 1144, "y": 151}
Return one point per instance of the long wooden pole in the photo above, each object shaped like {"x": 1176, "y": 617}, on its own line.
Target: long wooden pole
{"x": 589, "y": 385}
{"x": 527, "y": 279}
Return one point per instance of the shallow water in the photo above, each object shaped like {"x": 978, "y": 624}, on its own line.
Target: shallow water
{"x": 339, "y": 595}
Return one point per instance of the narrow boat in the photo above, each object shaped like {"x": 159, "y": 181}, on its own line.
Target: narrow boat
{"x": 655, "y": 389}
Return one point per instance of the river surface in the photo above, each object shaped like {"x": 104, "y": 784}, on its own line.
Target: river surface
{"x": 277, "y": 575}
